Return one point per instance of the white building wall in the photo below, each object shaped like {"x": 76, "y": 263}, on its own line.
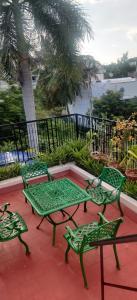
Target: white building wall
{"x": 129, "y": 85}
{"x": 82, "y": 103}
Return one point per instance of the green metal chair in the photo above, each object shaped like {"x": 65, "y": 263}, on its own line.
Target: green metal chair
{"x": 101, "y": 196}
{"x": 11, "y": 226}
{"x": 34, "y": 169}
{"x": 80, "y": 239}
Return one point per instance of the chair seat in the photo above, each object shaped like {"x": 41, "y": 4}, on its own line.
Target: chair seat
{"x": 81, "y": 239}
{"x": 11, "y": 225}
{"x": 101, "y": 196}
{"x": 79, "y": 233}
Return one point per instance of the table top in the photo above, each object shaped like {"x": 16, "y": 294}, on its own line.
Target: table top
{"x": 52, "y": 196}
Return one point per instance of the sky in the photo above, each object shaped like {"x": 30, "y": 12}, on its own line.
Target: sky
{"x": 114, "y": 25}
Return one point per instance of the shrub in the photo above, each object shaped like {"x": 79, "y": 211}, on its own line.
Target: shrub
{"x": 63, "y": 153}
{"x": 10, "y": 171}
{"x": 130, "y": 188}
{"x": 76, "y": 151}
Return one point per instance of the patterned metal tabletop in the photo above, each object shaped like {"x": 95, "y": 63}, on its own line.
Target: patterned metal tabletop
{"x": 49, "y": 197}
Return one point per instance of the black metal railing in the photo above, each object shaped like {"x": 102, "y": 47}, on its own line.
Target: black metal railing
{"x": 100, "y": 131}
{"x": 119, "y": 240}
{"x": 21, "y": 141}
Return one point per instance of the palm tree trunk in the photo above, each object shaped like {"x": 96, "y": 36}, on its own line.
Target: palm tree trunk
{"x": 67, "y": 108}
{"x": 27, "y": 91}
{"x": 25, "y": 78}
{"x": 28, "y": 102}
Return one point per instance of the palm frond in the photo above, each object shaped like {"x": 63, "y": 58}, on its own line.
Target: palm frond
{"x": 62, "y": 21}
{"x": 8, "y": 44}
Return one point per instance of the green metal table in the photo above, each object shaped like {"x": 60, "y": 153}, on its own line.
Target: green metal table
{"x": 47, "y": 198}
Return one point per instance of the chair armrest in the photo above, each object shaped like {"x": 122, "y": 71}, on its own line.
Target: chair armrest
{"x": 70, "y": 232}
{"x": 4, "y": 207}
{"x": 102, "y": 219}
{"x": 90, "y": 182}
{"x": 25, "y": 183}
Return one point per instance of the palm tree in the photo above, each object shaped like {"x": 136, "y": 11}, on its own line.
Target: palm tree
{"x": 23, "y": 24}
{"x": 59, "y": 81}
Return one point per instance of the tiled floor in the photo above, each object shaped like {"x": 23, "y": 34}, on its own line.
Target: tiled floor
{"x": 45, "y": 276}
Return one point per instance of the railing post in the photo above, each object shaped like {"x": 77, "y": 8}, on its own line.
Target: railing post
{"x": 77, "y": 127}
{"x": 15, "y": 141}
{"x": 102, "y": 272}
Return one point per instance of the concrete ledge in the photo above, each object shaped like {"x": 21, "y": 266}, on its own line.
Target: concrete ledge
{"x": 18, "y": 180}
{"x": 129, "y": 202}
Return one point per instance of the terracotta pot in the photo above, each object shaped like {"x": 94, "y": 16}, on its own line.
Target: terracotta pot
{"x": 113, "y": 164}
{"x": 131, "y": 174}
{"x": 100, "y": 157}
{"x": 116, "y": 165}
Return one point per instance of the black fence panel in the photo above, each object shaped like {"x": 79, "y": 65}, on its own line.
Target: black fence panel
{"x": 22, "y": 141}
{"x": 98, "y": 130}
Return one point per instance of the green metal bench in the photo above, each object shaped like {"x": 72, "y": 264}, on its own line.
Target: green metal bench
{"x": 101, "y": 196}
{"x": 80, "y": 239}
{"x": 11, "y": 226}
{"x": 34, "y": 169}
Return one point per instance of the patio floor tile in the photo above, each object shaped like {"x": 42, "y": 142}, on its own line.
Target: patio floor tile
{"x": 45, "y": 276}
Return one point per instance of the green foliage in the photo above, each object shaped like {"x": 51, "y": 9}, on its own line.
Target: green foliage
{"x": 130, "y": 188}
{"x": 112, "y": 105}
{"x": 61, "y": 78}
{"x": 11, "y": 106}
{"x": 61, "y": 22}
{"x": 90, "y": 66}
{"x": 63, "y": 153}
{"x": 130, "y": 159}
{"x": 59, "y": 82}
{"x": 73, "y": 151}
{"x": 121, "y": 68}
{"x": 24, "y": 25}
{"x": 7, "y": 146}
{"x": 10, "y": 171}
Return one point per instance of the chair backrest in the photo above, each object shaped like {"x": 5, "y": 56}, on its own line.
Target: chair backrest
{"x": 105, "y": 231}
{"x": 34, "y": 169}
{"x": 113, "y": 177}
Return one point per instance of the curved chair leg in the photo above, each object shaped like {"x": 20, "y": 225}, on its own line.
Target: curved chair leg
{"x": 83, "y": 270}
{"x": 54, "y": 235}
{"x": 85, "y": 206}
{"x": 26, "y": 246}
{"x": 116, "y": 257}
{"x": 104, "y": 208}
{"x": 62, "y": 213}
{"x": 119, "y": 206}
{"x": 38, "y": 226}
{"x": 32, "y": 210}
{"x": 66, "y": 253}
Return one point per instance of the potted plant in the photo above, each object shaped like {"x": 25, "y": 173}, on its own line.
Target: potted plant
{"x": 114, "y": 155}
{"x": 130, "y": 163}
{"x": 96, "y": 141}
{"x": 122, "y": 142}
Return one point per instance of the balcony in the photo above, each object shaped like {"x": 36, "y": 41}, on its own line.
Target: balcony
{"x": 44, "y": 273}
